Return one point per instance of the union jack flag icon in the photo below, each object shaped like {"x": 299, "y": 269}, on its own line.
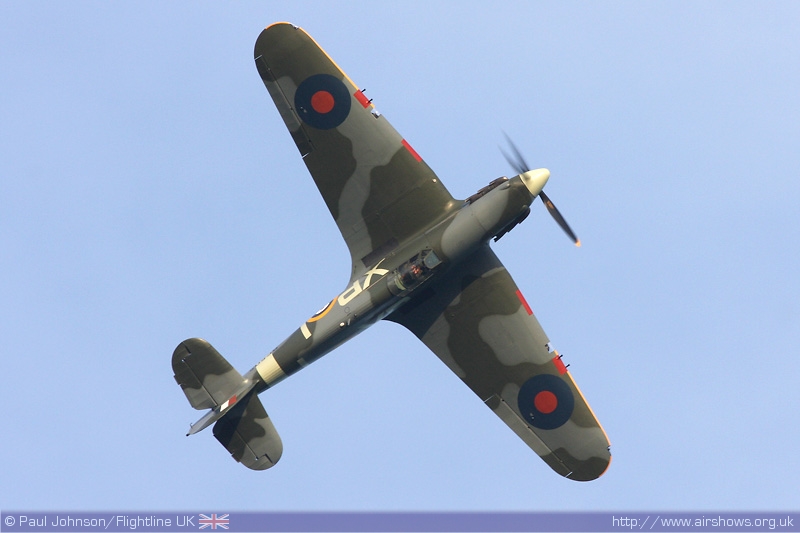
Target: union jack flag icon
{"x": 213, "y": 521}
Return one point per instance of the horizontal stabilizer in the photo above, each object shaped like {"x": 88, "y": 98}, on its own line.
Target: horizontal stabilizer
{"x": 207, "y": 379}
{"x": 248, "y": 434}
{"x": 242, "y": 424}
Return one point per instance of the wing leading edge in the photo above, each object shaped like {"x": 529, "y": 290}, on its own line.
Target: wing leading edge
{"x": 378, "y": 189}
{"x": 477, "y": 322}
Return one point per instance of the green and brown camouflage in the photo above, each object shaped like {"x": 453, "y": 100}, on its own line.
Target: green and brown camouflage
{"x": 420, "y": 258}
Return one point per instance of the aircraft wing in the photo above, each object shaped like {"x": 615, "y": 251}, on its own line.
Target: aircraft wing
{"x": 476, "y": 320}
{"x": 378, "y": 189}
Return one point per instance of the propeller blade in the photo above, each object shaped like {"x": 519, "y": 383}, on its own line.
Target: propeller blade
{"x": 554, "y": 212}
{"x": 517, "y": 162}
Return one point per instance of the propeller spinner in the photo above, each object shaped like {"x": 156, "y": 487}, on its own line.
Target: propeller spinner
{"x": 518, "y": 163}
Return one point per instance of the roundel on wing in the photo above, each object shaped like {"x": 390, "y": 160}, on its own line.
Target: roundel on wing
{"x": 322, "y": 101}
{"x": 546, "y": 401}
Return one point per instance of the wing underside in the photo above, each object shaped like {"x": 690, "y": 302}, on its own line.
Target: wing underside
{"x": 477, "y": 322}
{"x": 378, "y": 189}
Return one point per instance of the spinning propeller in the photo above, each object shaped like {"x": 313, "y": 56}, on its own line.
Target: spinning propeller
{"x": 518, "y": 163}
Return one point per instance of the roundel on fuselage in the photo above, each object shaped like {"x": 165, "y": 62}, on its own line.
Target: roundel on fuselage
{"x": 322, "y": 101}
{"x": 546, "y": 401}
{"x": 322, "y": 312}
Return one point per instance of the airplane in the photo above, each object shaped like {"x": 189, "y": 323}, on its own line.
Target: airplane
{"x": 420, "y": 258}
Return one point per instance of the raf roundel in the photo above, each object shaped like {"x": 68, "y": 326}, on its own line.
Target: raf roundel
{"x": 322, "y": 101}
{"x": 546, "y": 401}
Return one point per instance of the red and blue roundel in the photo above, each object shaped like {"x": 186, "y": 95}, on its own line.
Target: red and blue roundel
{"x": 546, "y": 401}
{"x": 322, "y": 101}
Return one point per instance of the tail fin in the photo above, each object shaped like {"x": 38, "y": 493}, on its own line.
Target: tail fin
{"x": 242, "y": 424}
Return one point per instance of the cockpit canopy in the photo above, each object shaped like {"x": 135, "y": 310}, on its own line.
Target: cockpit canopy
{"x": 414, "y": 271}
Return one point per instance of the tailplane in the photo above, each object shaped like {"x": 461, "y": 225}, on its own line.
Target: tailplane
{"x": 242, "y": 424}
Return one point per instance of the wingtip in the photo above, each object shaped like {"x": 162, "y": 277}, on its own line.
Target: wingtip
{"x": 608, "y": 464}
{"x": 281, "y": 23}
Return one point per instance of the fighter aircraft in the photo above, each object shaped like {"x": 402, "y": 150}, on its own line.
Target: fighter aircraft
{"x": 420, "y": 258}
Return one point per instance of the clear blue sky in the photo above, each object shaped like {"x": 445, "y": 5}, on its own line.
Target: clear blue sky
{"x": 149, "y": 192}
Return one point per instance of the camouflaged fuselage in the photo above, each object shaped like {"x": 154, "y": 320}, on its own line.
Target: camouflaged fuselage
{"x": 375, "y": 294}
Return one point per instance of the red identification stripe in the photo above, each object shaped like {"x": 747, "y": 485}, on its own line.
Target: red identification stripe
{"x": 413, "y": 152}
{"x": 524, "y": 303}
{"x": 559, "y": 364}
{"x": 361, "y": 98}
